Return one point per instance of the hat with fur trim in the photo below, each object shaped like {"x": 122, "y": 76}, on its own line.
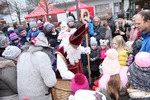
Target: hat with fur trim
{"x": 11, "y": 52}
{"x": 79, "y": 81}
{"x": 110, "y": 65}
{"x": 77, "y": 37}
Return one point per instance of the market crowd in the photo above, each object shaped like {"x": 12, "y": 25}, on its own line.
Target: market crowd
{"x": 34, "y": 55}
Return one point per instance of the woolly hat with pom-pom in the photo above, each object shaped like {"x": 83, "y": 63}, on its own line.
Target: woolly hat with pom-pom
{"x": 79, "y": 81}
{"x": 142, "y": 59}
{"x": 138, "y": 72}
{"x": 93, "y": 41}
{"x": 110, "y": 65}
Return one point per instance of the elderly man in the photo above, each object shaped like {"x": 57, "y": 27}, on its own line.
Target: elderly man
{"x": 100, "y": 30}
{"x": 142, "y": 22}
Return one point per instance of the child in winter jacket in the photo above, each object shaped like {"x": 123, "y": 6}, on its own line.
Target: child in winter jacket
{"x": 33, "y": 32}
{"x": 94, "y": 59}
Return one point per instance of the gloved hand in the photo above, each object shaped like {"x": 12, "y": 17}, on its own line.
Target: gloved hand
{"x": 94, "y": 59}
{"x": 87, "y": 50}
{"x": 28, "y": 39}
{"x": 100, "y": 69}
{"x": 91, "y": 59}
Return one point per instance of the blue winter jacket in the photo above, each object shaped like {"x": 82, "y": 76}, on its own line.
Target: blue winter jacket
{"x": 146, "y": 42}
{"x": 32, "y": 34}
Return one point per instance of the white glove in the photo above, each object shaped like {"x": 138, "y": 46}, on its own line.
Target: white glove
{"x": 87, "y": 50}
{"x": 28, "y": 39}
{"x": 100, "y": 69}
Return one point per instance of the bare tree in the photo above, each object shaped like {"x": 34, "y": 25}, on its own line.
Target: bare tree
{"x": 63, "y": 3}
{"x": 18, "y": 7}
{"x": 45, "y": 4}
{"x": 3, "y": 8}
{"x": 31, "y": 4}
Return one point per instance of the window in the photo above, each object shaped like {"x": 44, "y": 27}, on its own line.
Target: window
{"x": 102, "y": 9}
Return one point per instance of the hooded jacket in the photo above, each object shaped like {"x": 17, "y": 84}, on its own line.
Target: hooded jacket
{"x": 34, "y": 75}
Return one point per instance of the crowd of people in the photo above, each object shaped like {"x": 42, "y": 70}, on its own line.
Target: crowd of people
{"x": 33, "y": 56}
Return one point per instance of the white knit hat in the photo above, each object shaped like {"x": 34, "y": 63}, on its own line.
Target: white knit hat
{"x": 70, "y": 19}
{"x": 93, "y": 41}
{"x": 11, "y": 52}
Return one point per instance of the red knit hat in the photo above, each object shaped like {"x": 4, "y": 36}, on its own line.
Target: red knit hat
{"x": 76, "y": 38}
{"x": 79, "y": 81}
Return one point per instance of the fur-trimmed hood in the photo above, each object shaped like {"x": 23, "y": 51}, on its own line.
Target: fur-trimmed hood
{"x": 6, "y": 63}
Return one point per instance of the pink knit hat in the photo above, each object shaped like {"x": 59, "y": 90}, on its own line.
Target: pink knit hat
{"x": 142, "y": 59}
{"x": 79, "y": 81}
{"x": 110, "y": 65}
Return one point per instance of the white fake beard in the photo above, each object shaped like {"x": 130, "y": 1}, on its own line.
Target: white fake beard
{"x": 73, "y": 54}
